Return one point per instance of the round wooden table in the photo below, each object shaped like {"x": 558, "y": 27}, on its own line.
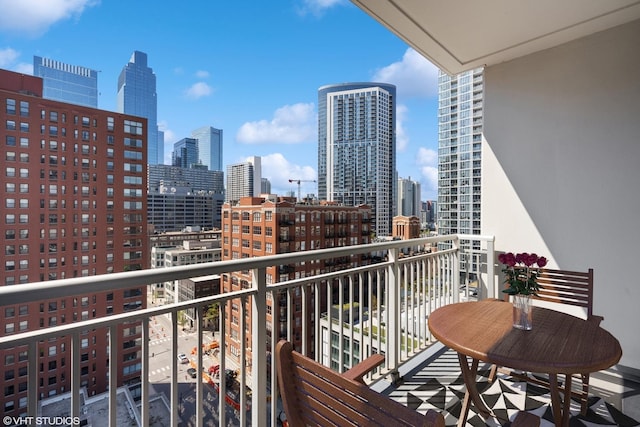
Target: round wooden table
{"x": 558, "y": 344}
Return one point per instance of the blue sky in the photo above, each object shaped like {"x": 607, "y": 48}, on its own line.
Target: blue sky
{"x": 251, "y": 68}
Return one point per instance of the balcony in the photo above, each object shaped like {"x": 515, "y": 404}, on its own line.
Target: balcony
{"x": 385, "y": 307}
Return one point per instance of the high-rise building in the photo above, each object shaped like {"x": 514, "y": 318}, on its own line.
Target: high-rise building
{"x": 67, "y": 83}
{"x": 460, "y": 118}
{"x": 357, "y": 149}
{"x": 209, "y": 146}
{"x": 137, "y": 96}
{"x": 409, "y": 203}
{"x": 74, "y": 205}
{"x": 262, "y": 226}
{"x": 185, "y": 153}
{"x": 265, "y": 187}
{"x": 244, "y": 179}
{"x": 182, "y": 197}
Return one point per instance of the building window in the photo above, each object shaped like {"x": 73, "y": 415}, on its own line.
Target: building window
{"x": 11, "y": 106}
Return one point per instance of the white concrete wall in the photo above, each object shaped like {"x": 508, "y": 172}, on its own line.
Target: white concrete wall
{"x": 561, "y": 167}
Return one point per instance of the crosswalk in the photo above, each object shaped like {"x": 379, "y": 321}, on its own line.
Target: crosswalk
{"x": 159, "y": 341}
{"x": 165, "y": 370}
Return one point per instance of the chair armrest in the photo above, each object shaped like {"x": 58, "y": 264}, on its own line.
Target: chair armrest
{"x": 363, "y": 368}
{"x": 595, "y": 319}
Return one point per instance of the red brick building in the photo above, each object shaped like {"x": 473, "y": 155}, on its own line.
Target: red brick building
{"x": 406, "y": 227}
{"x": 257, "y": 226}
{"x": 74, "y": 204}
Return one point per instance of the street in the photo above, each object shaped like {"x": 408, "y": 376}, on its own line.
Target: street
{"x": 161, "y": 363}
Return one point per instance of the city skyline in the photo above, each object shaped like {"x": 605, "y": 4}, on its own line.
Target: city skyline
{"x": 254, "y": 75}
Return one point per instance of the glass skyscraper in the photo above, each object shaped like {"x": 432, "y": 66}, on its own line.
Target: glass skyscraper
{"x": 137, "y": 96}
{"x": 67, "y": 83}
{"x": 357, "y": 148}
{"x": 185, "y": 153}
{"x": 209, "y": 146}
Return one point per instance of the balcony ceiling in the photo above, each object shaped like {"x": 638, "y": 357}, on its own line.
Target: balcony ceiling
{"x": 458, "y": 35}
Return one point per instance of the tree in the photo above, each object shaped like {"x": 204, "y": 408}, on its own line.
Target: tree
{"x": 182, "y": 319}
{"x": 212, "y": 314}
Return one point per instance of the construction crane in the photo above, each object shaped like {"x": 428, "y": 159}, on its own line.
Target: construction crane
{"x": 298, "y": 181}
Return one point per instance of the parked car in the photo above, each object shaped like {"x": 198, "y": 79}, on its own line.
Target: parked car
{"x": 192, "y": 372}
{"x": 182, "y": 358}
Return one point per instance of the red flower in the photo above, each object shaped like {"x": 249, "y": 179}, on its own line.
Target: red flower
{"x": 508, "y": 259}
{"x": 542, "y": 261}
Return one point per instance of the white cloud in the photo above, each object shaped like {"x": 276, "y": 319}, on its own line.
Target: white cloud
{"x": 36, "y": 16}
{"x": 24, "y": 68}
{"x": 201, "y": 74}
{"x": 291, "y": 124}
{"x": 198, "y": 90}
{"x": 427, "y": 160}
{"x": 7, "y": 57}
{"x": 427, "y": 156}
{"x": 414, "y": 75}
{"x": 318, "y": 7}
{"x": 402, "y": 139}
{"x": 278, "y": 170}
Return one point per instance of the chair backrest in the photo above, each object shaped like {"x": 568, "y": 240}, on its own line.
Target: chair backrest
{"x": 315, "y": 395}
{"x": 571, "y": 288}
{"x": 567, "y": 287}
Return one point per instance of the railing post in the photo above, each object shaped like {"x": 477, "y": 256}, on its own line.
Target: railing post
{"x": 199, "y": 387}
{"x": 32, "y": 391}
{"x": 259, "y": 348}
{"x": 75, "y": 374}
{"x": 491, "y": 277}
{"x": 455, "y": 291}
{"x": 243, "y": 361}
{"x": 393, "y": 335}
{"x": 175, "y": 403}
{"x": 144, "y": 401}
{"x": 113, "y": 379}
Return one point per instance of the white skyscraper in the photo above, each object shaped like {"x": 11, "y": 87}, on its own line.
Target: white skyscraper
{"x": 356, "y": 148}
{"x": 244, "y": 179}
{"x": 460, "y": 118}
{"x": 409, "y": 203}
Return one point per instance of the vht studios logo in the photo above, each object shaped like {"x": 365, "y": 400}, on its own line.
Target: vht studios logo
{"x": 41, "y": 421}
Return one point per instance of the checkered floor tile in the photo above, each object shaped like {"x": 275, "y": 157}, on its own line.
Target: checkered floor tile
{"x": 444, "y": 391}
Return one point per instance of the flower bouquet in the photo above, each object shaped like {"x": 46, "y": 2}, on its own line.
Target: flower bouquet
{"x": 521, "y": 275}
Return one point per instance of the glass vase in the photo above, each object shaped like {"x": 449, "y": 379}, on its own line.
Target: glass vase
{"x": 522, "y": 312}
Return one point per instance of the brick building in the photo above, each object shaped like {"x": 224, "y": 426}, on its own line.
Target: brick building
{"x": 74, "y": 204}
{"x": 259, "y": 226}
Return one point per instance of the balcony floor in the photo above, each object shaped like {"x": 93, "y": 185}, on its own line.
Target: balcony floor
{"x": 435, "y": 382}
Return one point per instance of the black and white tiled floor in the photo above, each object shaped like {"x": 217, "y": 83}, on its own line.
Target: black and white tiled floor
{"x": 439, "y": 386}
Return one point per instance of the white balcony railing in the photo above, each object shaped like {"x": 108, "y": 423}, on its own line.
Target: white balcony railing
{"x": 381, "y": 307}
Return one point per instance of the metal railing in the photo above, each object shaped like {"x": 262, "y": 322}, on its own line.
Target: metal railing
{"x": 380, "y": 307}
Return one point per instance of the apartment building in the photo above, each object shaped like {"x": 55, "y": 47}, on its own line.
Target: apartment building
{"x": 460, "y": 125}
{"x": 357, "y": 148}
{"x": 259, "y": 226}
{"x": 74, "y": 183}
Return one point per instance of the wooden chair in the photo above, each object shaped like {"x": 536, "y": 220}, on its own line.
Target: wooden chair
{"x": 315, "y": 395}
{"x": 569, "y": 288}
